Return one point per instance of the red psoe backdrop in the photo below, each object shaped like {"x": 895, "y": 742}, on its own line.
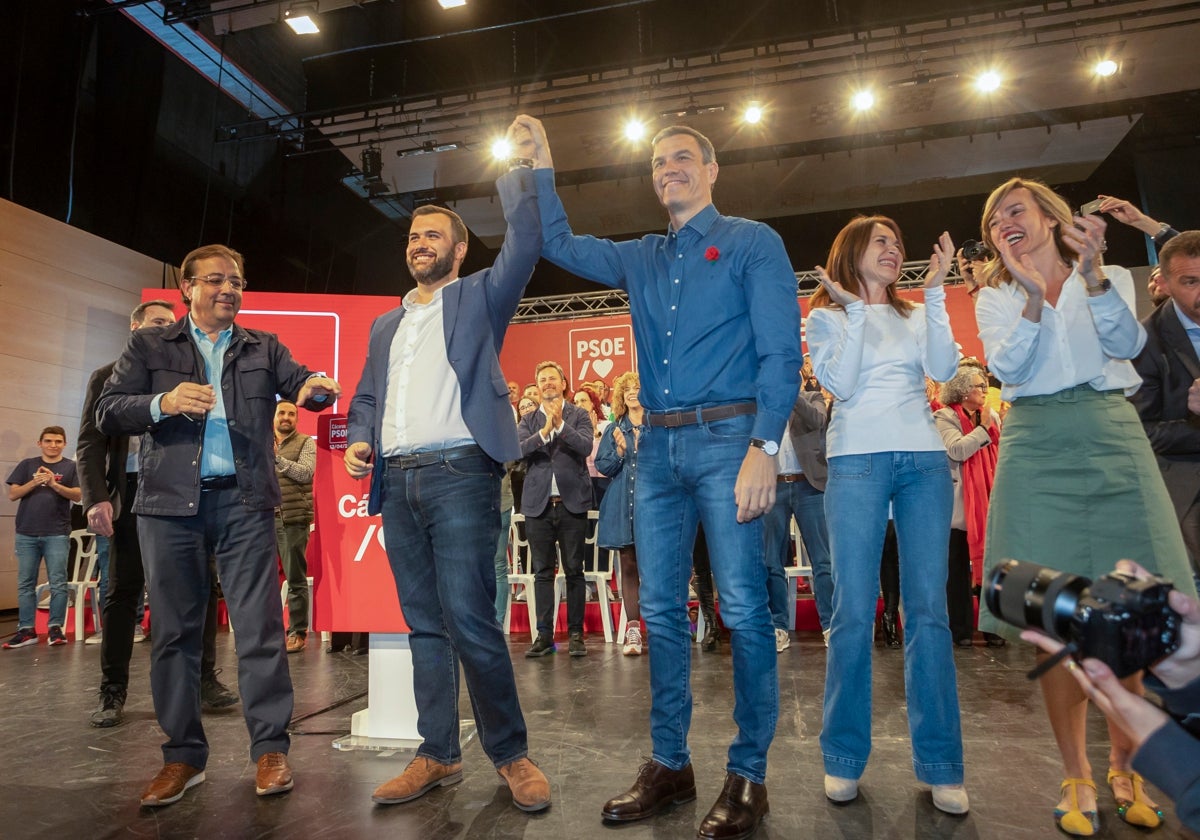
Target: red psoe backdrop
{"x": 353, "y": 587}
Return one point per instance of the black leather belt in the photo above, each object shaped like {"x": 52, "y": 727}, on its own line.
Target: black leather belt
{"x": 218, "y": 482}
{"x": 674, "y": 419}
{"x": 437, "y": 456}
{"x": 792, "y": 478}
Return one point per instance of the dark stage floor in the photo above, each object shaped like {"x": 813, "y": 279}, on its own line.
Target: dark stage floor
{"x": 588, "y": 731}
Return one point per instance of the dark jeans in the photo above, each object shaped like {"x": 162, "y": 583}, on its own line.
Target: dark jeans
{"x": 440, "y": 525}
{"x": 959, "y": 603}
{"x": 569, "y": 531}
{"x": 176, "y": 550}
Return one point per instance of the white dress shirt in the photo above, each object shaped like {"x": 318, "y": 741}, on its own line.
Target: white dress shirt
{"x": 1080, "y": 340}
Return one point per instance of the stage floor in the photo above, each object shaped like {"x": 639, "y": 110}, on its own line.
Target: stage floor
{"x": 587, "y": 719}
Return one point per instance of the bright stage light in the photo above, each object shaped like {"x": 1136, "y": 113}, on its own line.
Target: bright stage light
{"x": 501, "y": 149}
{"x": 863, "y": 100}
{"x": 302, "y": 18}
{"x": 753, "y": 113}
{"x": 635, "y": 130}
{"x": 1106, "y": 67}
{"x": 988, "y": 81}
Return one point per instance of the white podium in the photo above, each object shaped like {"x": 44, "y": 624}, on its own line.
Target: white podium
{"x": 389, "y": 722}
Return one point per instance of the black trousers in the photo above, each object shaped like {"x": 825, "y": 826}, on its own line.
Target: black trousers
{"x": 177, "y": 552}
{"x": 126, "y": 580}
{"x": 959, "y": 602}
{"x": 569, "y": 531}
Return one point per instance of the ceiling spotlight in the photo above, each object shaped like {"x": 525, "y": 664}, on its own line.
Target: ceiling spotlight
{"x": 863, "y": 100}
{"x": 1106, "y": 67}
{"x": 635, "y": 130}
{"x": 501, "y": 149}
{"x": 451, "y": 4}
{"x": 302, "y": 18}
{"x": 372, "y": 162}
{"x": 753, "y": 113}
{"x": 988, "y": 81}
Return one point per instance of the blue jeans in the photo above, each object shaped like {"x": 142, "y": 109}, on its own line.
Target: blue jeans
{"x": 30, "y": 551}
{"x": 807, "y": 504}
{"x": 501, "y": 564}
{"x": 856, "y": 504}
{"x": 685, "y": 475}
{"x": 440, "y": 526}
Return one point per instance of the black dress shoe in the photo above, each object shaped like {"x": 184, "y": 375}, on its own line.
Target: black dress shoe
{"x": 544, "y": 644}
{"x": 657, "y": 787}
{"x": 737, "y": 812}
{"x": 891, "y": 632}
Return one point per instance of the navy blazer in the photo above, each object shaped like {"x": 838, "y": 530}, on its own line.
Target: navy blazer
{"x": 565, "y": 455}
{"x": 1168, "y": 366}
{"x": 476, "y": 311}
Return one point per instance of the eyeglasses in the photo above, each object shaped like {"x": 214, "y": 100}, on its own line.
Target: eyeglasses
{"x": 236, "y": 282}
{"x": 980, "y": 387}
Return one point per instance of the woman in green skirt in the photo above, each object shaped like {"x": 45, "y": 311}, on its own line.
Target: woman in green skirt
{"x": 1077, "y": 487}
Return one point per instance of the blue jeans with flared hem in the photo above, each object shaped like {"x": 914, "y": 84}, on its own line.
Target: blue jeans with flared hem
{"x": 30, "y": 551}
{"x": 860, "y": 487}
{"x": 686, "y": 475}
{"x": 440, "y": 525}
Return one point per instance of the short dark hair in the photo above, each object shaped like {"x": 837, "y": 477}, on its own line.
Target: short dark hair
{"x": 456, "y": 223}
{"x": 283, "y": 401}
{"x": 53, "y": 430}
{"x": 707, "y": 153}
{"x": 208, "y": 252}
{"x": 138, "y": 315}
{"x": 1185, "y": 245}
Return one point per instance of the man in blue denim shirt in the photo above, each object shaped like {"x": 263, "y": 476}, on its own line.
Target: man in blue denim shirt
{"x": 717, "y": 326}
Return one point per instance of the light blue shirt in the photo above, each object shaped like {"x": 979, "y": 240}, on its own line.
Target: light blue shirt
{"x": 216, "y": 454}
{"x": 1190, "y": 327}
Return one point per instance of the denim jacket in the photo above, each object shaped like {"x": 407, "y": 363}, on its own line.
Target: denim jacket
{"x": 615, "y": 528}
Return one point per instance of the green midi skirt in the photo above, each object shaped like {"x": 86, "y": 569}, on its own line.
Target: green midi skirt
{"x": 1077, "y": 489}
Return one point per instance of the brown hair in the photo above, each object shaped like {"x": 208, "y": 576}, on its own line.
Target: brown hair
{"x": 846, "y": 253}
{"x": 993, "y": 272}
{"x": 543, "y": 365}
{"x": 207, "y": 252}
{"x": 1185, "y": 245}
{"x": 457, "y": 225}
{"x": 707, "y": 153}
{"x": 138, "y": 315}
{"x": 53, "y": 430}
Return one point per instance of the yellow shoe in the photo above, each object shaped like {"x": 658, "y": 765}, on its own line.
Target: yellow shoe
{"x": 1137, "y": 812}
{"x": 1077, "y": 822}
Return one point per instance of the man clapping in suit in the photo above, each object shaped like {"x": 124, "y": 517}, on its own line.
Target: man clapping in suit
{"x": 555, "y": 442}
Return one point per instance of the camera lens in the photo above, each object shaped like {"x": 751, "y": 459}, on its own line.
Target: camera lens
{"x": 1029, "y": 595}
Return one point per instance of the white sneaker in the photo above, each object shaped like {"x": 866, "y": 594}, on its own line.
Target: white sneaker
{"x": 825, "y": 636}
{"x": 839, "y": 789}
{"x": 139, "y": 634}
{"x": 951, "y": 798}
{"x": 633, "y": 640}
{"x": 782, "y": 640}
{"x": 94, "y": 639}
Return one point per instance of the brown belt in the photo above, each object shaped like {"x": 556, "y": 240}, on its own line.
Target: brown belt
{"x": 792, "y": 478}
{"x": 674, "y": 419}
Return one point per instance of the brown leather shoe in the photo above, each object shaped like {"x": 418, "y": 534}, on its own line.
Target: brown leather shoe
{"x": 419, "y": 777}
{"x": 737, "y": 812}
{"x": 530, "y": 789}
{"x": 274, "y": 775}
{"x": 170, "y": 783}
{"x": 296, "y": 643}
{"x": 657, "y": 787}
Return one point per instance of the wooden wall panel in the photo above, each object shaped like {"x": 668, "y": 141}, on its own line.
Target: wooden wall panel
{"x": 65, "y": 298}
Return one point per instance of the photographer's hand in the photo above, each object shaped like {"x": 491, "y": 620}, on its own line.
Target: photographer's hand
{"x": 1129, "y": 711}
{"x": 1182, "y": 666}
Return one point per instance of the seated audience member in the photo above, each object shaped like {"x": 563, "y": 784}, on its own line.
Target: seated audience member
{"x": 617, "y": 459}
{"x": 1165, "y": 741}
{"x": 971, "y": 433}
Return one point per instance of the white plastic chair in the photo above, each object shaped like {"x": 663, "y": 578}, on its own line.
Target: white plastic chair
{"x": 520, "y": 571}
{"x": 84, "y": 579}
{"x": 801, "y": 568}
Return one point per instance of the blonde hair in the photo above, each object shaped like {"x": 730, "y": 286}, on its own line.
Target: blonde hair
{"x": 1053, "y": 205}
{"x": 625, "y": 382}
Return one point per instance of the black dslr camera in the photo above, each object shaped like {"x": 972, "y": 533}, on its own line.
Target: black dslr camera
{"x": 1123, "y": 621}
{"x": 976, "y": 251}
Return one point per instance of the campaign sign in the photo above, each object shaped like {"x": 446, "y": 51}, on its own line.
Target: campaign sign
{"x": 353, "y": 588}
{"x": 599, "y": 352}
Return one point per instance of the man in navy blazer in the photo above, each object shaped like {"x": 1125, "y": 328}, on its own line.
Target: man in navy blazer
{"x": 1169, "y": 365}
{"x": 555, "y": 442}
{"x": 432, "y": 424}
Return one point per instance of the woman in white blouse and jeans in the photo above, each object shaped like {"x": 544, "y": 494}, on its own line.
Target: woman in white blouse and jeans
{"x": 1077, "y": 487}
{"x": 872, "y": 350}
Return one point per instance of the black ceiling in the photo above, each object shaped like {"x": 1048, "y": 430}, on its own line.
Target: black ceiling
{"x": 102, "y": 125}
